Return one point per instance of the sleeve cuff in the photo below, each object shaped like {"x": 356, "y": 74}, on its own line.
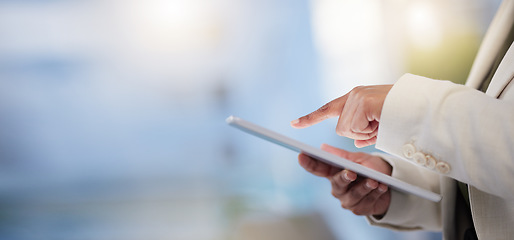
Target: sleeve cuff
{"x": 407, "y": 212}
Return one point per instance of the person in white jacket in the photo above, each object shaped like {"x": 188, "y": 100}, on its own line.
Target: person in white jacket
{"x": 449, "y": 138}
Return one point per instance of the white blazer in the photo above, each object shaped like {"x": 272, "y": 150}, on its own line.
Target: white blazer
{"x": 438, "y": 131}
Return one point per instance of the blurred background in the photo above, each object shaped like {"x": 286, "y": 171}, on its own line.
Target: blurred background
{"x": 112, "y": 111}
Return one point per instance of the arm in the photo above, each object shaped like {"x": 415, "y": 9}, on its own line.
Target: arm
{"x": 468, "y": 134}
{"x": 472, "y": 132}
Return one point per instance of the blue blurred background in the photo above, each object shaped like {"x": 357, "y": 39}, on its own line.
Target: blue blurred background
{"x": 112, "y": 111}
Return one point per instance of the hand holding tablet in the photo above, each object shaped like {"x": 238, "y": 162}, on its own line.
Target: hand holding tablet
{"x": 330, "y": 158}
{"x": 361, "y": 195}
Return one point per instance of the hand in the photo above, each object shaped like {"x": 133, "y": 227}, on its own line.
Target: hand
{"x": 358, "y": 111}
{"x": 362, "y": 196}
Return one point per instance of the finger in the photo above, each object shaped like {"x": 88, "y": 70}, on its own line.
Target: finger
{"x": 329, "y": 110}
{"x": 368, "y": 206}
{"x": 344, "y": 124}
{"x": 372, "y": 126}
{"x": 316, "y": 167}
{"x": 361, "y": 122}
{"x": 341, "y": 181}
{"x": 357, "y": 192}
{"x": 345, "y": 118}
{"x": 382, "y": 188}
{"x": 365, "y": 143}
{"x": 373, "y": 196}
{"x": 343, "y": 129}
{"x": 382, "y": 203}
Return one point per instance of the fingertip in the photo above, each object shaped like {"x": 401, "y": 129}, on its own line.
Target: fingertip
{"x": 363, "y": 143}
{"x": 325, "y": 146}
{"x": 303, "y": 160}
{"x": 349, "y": 175}
{"x": 358, "y": 144}
{"x": 295, "y": 123}
{"x": 382, "y": 188}
{"x": 302, "y": 122}
{"x": 371, "y": 184}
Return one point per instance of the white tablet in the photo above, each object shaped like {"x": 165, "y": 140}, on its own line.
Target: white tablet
{"x": 329, "y": 158}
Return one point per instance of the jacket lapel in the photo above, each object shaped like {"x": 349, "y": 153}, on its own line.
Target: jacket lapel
{"x": 492, "y": 46}
{"x": 503, "y": 75}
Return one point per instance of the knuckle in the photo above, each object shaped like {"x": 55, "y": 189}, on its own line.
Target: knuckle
{"x": 359, "y": 211}
{"x": 339, "y": 131}
{"x": 324, "y": 108}
{"x": 370, "y": 198}
{"x": 335, "y": 193}
{"x": 348, "y": 132}
{"x": 336, "y": 181}
{"x": 358, "y": 192}
{"x": 357, "y": 88}
{"x": 343, "y": 131}
{"x": 310, "y": 166}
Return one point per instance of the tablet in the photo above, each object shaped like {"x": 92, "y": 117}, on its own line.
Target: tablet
{"x": 329, "y": 158}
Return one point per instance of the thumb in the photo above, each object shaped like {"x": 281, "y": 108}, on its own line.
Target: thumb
{"x": 340, "y": 152}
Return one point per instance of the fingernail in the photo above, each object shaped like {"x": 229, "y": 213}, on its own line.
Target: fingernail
{"x": 346, "y": 177}
{"x": 294, "y": 122}
{"x": 382, "y": 189}
{"x": 370, "y": 186}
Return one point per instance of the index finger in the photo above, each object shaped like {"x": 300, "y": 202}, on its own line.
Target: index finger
{"x": 332, "y": 109}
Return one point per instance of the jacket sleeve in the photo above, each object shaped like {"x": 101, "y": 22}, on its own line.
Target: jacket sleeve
{"x": 406, "y": 211}
{"x": 456, "y": 131}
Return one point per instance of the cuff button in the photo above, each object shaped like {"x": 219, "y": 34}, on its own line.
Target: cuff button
{"x": 442, "y": 167}
{"x": 408, "y": 150}
{"x": 431, "y": 162}
{"x": 419, "y": 158}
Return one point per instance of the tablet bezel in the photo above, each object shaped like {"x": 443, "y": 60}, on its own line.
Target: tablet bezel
{"x": 329, "y": 158}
